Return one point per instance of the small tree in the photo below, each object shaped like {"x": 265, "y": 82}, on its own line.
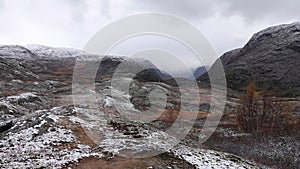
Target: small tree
{"x": 248, "y": 109}
{"x": 262, "y": 114}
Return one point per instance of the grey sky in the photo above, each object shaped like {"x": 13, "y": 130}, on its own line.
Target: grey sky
{"x": 228, "y": 24}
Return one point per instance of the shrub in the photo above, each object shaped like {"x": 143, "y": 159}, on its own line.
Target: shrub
{"x": 258, "y": 112}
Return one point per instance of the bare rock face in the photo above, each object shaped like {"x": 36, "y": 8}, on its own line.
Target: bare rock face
{"x": 271, "y": 58}
{"x": 11, "y": 69}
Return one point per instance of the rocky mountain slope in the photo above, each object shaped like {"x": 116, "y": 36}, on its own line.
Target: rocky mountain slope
{"x": 271, "y": 58}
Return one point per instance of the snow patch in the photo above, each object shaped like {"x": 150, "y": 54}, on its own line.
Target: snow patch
{"x": 22, "y": 97}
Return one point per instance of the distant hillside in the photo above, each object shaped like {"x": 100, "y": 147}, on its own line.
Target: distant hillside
{"x": 32, "y": 62}
{"x": 199, "y": 72}
{"x": 271, "y": 58}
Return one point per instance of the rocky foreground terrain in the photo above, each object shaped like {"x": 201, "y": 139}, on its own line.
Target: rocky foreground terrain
{"x": 41, "y": 126}
{"x": 50, "y": 118}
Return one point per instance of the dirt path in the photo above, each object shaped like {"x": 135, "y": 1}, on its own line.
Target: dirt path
{"x": 162, "y": 161}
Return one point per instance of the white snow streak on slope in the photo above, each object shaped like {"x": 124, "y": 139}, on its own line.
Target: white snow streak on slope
{"x": 201, "y": 158}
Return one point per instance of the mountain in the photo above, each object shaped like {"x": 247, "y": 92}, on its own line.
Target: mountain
{"x": 140, "y": 69}
{"x": 32, "y": 61}
{"x": 51, "y": 52}
{"x": 271, "y": 59}
{"x": 199, "y": 72}
{"x": 16, "y": 52}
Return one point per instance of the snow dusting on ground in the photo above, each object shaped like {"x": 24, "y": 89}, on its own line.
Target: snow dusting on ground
{"x": 50, "y": 144}
{"x": 53, "y": 146}
{"x": 201, "y": 158}
{"x": 31, "y": 149}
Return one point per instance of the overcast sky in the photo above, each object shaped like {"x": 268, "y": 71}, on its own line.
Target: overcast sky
{"x": 228, "y": 24}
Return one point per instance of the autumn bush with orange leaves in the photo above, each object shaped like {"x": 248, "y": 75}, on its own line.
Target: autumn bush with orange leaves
{"x": 257, "y": 112}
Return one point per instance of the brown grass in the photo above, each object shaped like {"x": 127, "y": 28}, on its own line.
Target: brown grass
{"x": 115, "y": 163}
{"x": 118, "y": 162}
{"x": 169, "y": 116}
{"x": 78, "y": 131}
{"x": 12, "y": 92}
{"x": 68, "y": 145}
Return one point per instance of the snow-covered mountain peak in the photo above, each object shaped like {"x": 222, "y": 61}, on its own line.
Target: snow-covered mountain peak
{"x": 45, "y": 51}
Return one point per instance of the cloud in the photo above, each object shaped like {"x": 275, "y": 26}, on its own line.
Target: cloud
{"x": 268, "y": 9}
{"x": 250, "y": 10}
{"x": 227, "y": 24}
{"x": 187, "y": 9}
{"x": 50, "y": 22}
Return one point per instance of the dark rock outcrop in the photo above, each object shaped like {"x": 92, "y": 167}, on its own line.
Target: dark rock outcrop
{"x": 6, "y": 126}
